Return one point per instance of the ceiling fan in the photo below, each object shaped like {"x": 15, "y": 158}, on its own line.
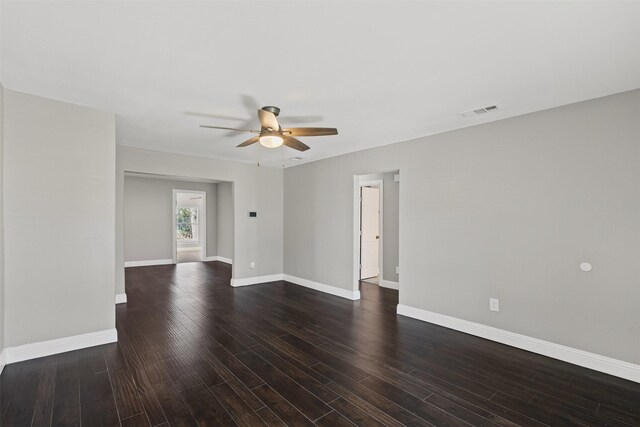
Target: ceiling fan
{"x": 271, "y": 135}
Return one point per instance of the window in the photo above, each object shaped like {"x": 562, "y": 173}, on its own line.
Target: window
{"x": 187, "y": 223}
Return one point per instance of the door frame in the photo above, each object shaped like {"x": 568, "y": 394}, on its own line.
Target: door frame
{"x": 202, "y": 223}
{"x": 357, "y": 217}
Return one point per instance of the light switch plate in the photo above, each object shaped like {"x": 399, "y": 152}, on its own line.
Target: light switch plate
{"x": 494, "y": 304}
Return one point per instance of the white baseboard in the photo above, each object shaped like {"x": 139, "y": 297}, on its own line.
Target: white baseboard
{"x": 121, "y": 298}
{"x": 60, "y": 345}
{"x": 352, "y": 295}
{"x": 2, "y": 360}
{"x": 389, "y": 284}
{"x": 344, "y": 293}
{"x": 148, "y": 262}
{"x": 219, "y": 258}
{"x": 256, "y": 280}
{"x": 583, "y": 358}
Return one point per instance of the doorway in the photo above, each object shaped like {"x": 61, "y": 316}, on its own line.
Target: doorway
{"x": 189, "y": 226}
{"x": 370, "y": 231}
{"x": 376, "y": 229}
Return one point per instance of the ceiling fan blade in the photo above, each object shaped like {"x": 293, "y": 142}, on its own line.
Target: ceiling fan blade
{"x": 225, "y": 128}
{"x": 250, "y": 103}
{"x": 294, "y": 143}
{"x": 310, "y": 131}
{"x": 214, "y": 116}
{"x": 268, "y": 120}
{"x": 249, "y": 141}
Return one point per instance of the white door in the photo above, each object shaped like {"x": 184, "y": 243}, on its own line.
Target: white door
{"x": 370, "y": 231}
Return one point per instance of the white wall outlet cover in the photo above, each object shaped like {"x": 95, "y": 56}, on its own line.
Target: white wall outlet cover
{"x": 252, "y": 265}
{"x": 494, "y": 304}
{"x": 397, "y": 270}
{"x": 585, "y": 266}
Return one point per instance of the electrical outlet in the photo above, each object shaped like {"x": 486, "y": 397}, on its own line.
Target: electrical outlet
{"x": 252, "y": 265}
{"x": 397, "y": 270}
{"x": 494, "y": 304}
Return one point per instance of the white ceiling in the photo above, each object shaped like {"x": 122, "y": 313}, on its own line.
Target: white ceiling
{"x": 381, "y": 72}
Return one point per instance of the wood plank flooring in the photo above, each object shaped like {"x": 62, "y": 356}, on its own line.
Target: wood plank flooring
{"x": 194, "y": 351}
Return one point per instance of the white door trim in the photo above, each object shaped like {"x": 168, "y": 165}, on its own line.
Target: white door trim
{"x": 357, "y": 184}
{"x": 202, "y": 224}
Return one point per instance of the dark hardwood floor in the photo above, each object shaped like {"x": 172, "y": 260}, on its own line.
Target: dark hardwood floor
{"x": 194, "y": 351}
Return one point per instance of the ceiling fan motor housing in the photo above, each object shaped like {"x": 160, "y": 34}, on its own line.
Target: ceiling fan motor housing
{"x": 272, "y": 109}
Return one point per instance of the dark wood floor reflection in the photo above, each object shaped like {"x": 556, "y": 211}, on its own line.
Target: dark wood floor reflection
{"x": 194, "y": 351}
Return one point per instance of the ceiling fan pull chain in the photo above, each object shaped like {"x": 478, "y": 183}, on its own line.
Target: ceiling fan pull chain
{"x": 258, "y": 145}
{"x": 283, "y": 155}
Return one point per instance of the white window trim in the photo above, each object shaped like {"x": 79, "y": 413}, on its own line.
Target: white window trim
{"x": 202, "y": 223}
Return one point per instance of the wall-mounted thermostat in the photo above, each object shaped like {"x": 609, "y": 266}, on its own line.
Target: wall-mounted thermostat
{"x": 253, "y": 214}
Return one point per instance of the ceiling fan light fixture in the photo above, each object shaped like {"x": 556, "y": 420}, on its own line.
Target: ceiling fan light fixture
{"x": 271, "y": 141}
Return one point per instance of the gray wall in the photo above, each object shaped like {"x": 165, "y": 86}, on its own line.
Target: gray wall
{"x": 1, "y": 222}
{"x": 507, "y": 209}
{"x": 225, "y": 220}
{"x": 148, "y": 217}
{"x": 59, "y": 200}
{"x": 391, "y": 243}
{"x": 257, "y": 240}
{"x": 391, "y": 223}
{"x": 391, "y": 227}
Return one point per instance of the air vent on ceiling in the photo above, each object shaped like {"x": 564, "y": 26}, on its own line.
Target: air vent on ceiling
{"x": 296, "y": 158}
{"x": 480, "y": 111}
